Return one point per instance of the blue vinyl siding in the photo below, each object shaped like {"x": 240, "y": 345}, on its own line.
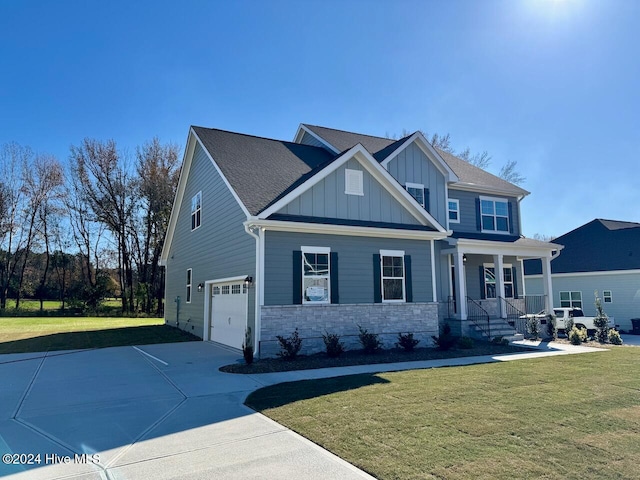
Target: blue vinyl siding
{"x": 469, "y": 211}
{"x": 308, "y": 139}
{"x": 327, "y": 199}
{"x": 355, "y": 265}
{"x": 220, "y": 248}
{"x": 413, "y": 166}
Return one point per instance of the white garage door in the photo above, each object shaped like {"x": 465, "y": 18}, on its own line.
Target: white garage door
{"x": 228, "y": 313}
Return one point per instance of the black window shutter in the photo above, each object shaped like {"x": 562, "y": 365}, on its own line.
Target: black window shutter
{"x": 478, "y": 215}
{"x": 427, "y": 203}
{"x": 482, "y": 289}
{"x": 515, "y": 282}
{"x": 408, "y": 287}
{"x": 377, "y": 279}
{"x": 510, "y": 206}
{"x": 333, "y": 280}
{"x": 297, "y": 277}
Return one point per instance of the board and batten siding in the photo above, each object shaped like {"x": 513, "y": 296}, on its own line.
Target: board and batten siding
{"x": 413, "y": 166}
{"x": 355, "y": 265}
{"x": 624, "y": 287}
{"x": 219, "y": 248}
{"x": 327, "y": 199}
{"x": 469, "y": 211}
{"x": 308, "y": 139}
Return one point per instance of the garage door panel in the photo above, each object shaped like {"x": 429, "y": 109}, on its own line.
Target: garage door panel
{"x": 228, "y": 314}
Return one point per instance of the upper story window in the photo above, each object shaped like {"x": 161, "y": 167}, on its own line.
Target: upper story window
{"x": 392, "y": 270}
{"x": 494, "y": 214}
{"x": 607, "y": 296}
{"x": 453, "y": 206}
{"x": 353, "y": 182}
{"x": 196, "y": 210}
{"x": 315, "y": 275}
{"x": 416, "y": 190}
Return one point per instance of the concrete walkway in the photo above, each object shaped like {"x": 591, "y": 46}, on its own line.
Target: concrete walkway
{"x": 165, "y": 411}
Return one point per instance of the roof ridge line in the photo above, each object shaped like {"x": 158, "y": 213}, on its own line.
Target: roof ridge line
{"x": 259, "y": 137}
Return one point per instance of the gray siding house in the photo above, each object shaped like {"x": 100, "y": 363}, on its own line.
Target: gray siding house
{"x": 603, "y": 256}
{"x": 338, "y": 229}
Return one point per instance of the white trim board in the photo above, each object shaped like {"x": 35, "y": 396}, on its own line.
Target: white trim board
{"x": 325, "y": 229}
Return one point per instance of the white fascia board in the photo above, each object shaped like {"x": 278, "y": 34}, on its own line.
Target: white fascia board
{"x": 473, "y": 187}
{"x": 380, "y": 174}
{"x": 349, "y": 230}
{"x": 224, "y": 179}
{"x": 487, "y": 247}
{"x": 302, "y": 130}
{"x": 589, "y": 274}
{"x": 431, "y": 153}
{"x": 177, "y": 200}
{"x": 227, "y": 279}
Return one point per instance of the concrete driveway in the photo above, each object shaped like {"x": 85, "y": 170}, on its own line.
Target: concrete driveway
{"x": 156, "y": 411}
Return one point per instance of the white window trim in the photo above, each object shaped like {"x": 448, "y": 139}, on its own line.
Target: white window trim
{"x": 419, "y": 186}
{"x": 393, "y": 253}
{"x": 348, "y": 172}
{"x": 194, "y": 212}
{"x": 504, "y": 267}
{"x": 189, "y": 286}
{"x": 604, "y": 296}
{"x": 457, "y": 202}
{"x": 324, "y": 250}
{"x": 570, "y": 298}
{"x": 495, "y": 216}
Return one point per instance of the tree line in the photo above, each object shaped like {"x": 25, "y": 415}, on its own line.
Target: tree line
{"x": 89, "y": 228}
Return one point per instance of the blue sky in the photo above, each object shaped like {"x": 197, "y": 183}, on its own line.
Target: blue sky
{"x": 552, "y": 84}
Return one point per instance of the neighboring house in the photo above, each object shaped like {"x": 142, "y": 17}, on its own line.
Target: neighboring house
{"x": 338, "y": 229}
{"x": 602, "y": 256}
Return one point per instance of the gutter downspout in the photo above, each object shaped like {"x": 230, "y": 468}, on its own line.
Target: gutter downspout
{"x": 258, "y": 286}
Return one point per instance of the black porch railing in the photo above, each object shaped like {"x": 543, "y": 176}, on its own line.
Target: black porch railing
{"x": 479, "y": 316}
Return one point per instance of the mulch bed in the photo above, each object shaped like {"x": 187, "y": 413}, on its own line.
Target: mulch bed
{"x": 358, "y": 357}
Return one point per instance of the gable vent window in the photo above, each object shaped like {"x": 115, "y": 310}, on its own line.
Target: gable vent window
{"x": 353, "y": 182}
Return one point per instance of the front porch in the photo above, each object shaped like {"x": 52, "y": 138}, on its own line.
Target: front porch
{"x": 485, "y": 317}
{"x": 487, "y": 296}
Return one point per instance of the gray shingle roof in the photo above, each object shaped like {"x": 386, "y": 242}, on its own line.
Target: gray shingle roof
{"x": 597, "y": 246}
{"x": 380, "y": 148}
{"x": 261, "y": 170}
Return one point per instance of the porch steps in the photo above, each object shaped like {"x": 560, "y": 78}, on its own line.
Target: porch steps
{"x": 499, "y": 328}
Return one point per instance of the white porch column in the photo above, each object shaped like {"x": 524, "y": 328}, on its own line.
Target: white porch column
{"x": 498, "y": 264}
{"x": 547, "y": 285}
{"x": 461, "y": 285}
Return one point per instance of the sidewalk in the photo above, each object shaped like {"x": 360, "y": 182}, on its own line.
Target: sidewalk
{"x": 542, "y": 349}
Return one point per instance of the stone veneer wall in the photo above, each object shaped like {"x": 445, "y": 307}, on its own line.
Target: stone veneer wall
{"x": 312, "y": 321}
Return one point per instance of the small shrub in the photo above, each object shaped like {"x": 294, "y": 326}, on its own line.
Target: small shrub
{"x": 568, "y": 326}
{"x": 578, "y": 335}
{"x": 614, "y": 337}
{"x": 446, "y": 340}
{"x": 499, "y": 341}
{"x": 552, "y": 330}
{"x": 465, "y": 342}
{"x": 333, "y": 344}
{"x": 370, "y": 341}
{"x": 601, "y": 322}
{"x": 247, "y": 347}
{"x": 289, "y": 346}
{"x": 533, "y": 327}
{"x": 407, "y": 342}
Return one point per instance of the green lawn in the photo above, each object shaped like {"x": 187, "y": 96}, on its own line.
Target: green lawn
{"x": 568, "y": 417}
{"x": 38, "y": 334}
